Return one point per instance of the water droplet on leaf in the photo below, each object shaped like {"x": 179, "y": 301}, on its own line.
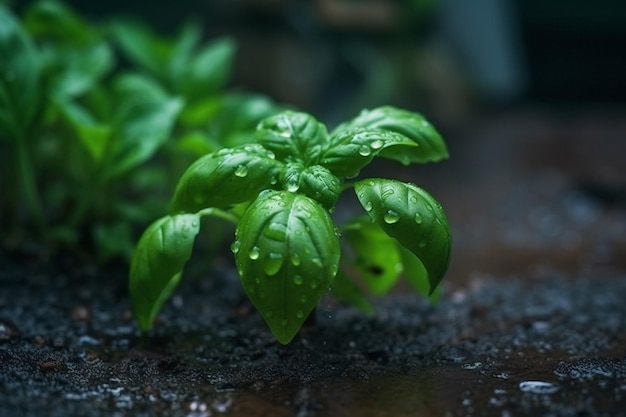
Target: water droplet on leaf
{"x": 391, "y": 217}
{"x": 272, "y": 263}
{"x": 254, "y": 253}
{"x": 418, "y": 218}
{"x": 297, "y": 279}
{"x": 241, "y": 171}
{"x": 368, "y": 206}
{"x": 377, "y": 144}
{"x": 365, "y": 150}
{"x": 295, "y": 259}
{"x": 235, "y": 246}
{"x": 299, "y": 314}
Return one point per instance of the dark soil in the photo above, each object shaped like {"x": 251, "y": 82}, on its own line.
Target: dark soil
{"x": 533, "y": 319}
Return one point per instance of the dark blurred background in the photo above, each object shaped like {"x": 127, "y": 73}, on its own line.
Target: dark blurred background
{"x": 444, "y": 57}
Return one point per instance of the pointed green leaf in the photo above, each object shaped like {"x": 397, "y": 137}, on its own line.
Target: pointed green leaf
{"x": 157, "y": 263}
{"x": 430, "y": 146}
{"x": 287, "y": 255}
{"x": 141, "y": 46}
{"x": 226, "y": 177}
{"x": 93, "y": 135}
{"x": 352, "y": 149}
{"x": 210, "y": 69}
{"x": 410, "y": 215}
{"x": 75, "y": 55}
{"x": 140, "y": 129}
{"x": 417, "y": 276}
{"x": 294, "y": 136}
{"x": 376, "y": 256}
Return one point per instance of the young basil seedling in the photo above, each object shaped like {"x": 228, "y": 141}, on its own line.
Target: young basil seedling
{"x": 287, "y": 247}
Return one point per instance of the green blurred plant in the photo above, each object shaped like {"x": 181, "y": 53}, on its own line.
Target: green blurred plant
{"x": 95, "y": 121}
{"x": 280, "y": 193}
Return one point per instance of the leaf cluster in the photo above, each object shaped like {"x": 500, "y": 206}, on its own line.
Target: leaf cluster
{"x": 280, "y": 193}
{"x": 96, "y": 120}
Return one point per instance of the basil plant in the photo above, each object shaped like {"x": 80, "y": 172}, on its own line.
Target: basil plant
{"x": 280, "y": 192}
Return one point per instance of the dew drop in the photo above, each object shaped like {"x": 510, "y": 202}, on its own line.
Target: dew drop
{"x": 241, "y": 171}
{"x": 314, "y": 284}
{"x": 299, "y": 314}
{"x": 276, "y": 231}
{"x": 295, "y": 259}
{"x": 234, "y": 247}
{"x": 273, "y": 180}
{"x": 298, "y": 280}
{"x": 284, "y": 322}
{"x": 429, "y": 207}
{"x": 293, "y": 186}
{"x": 418, "y": 218}
{"x": 254, "y": 253}
{"x": 272, "y": 263}
{"x": 377, "y": 144}
{"x": 318, "y": 262}
{"x": 421, "y": 244}
{"x": 538, "y": 387}
{"x": 391, "y": 217}
{"x": 368, "y": 206}
{"x": 365, "y": 150}
{"x": 303, "y": 299}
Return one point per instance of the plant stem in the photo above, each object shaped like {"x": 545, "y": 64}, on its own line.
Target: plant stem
{"x": 219, "y": 213}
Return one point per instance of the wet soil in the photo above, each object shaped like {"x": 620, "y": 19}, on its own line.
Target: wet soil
{"x": 532, "y": 322}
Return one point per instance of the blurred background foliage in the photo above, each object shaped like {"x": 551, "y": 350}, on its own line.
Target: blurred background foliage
{"x": 200, "y": 73}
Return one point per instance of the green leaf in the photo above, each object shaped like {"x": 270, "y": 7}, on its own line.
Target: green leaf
{"x": 209, "y": 71}
{"x": 293, "y": 136}
{"x": 376, "y": 256}
{"x": 140, "y": 129}
{"x": 129, "y": 86}
{"x": 345, "y": 290}
{"x": 352, "y": 149}
{"x": 410, "y": 215}
{"x": 430, "y": 146}
{"x": 141, "y": 46}
{"x": 321, "y": 185}
{"x": 77, "y": 69}
{"x": 75, "y": 55}
{"x": 54, "y": 19}
{"x": 416, "y": 275}
{"x": 287, "y": 254}
{"x": 157, "y": 263}
{"x": 226, "y": 177}
{"x": 93, "y": 135}
{"x": 20, "y": 77}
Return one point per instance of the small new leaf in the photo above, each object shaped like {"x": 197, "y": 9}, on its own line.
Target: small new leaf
{"x": 287, "y": 254}
{"x": 410, "y": 215}
{"x": 293, "y": 136}
{"x": 157, "y": 263}
{"x": 224, "y": 178}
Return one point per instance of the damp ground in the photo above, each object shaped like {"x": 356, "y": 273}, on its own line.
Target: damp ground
{"x": 532, "y": 322}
